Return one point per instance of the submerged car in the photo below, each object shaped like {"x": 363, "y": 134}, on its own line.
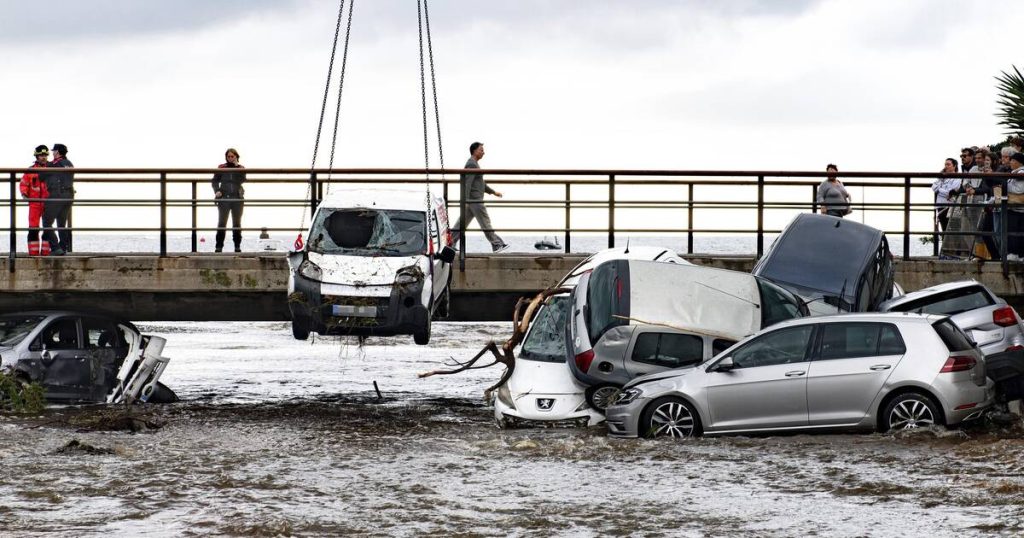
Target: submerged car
{"x": 987, "y": 319}
{"x": 377, "y": 262}
{"x": 858, "y": 371}
{"x": 631, "y": 317}
{"x": 541, "y": 390}
{"x": 83, "y": 357}
{"x": 834, "y": 264}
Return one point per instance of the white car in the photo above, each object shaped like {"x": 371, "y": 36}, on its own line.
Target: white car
{"x": 542, "y": 391}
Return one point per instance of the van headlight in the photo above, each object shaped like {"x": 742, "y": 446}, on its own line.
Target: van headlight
{"x": 505, "y": 397}
{"x": 409, "y": 275}
{"x": 310, "y": 270}
{"x": 627, "y": 396}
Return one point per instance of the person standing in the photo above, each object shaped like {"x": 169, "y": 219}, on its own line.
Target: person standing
{"x": 943, "y": 186}
{"x": 34, "y": 190}
{"x": 228, "y": 190}
{"x": 473, "y": 188}
{"x": 1015, "y": 216}
{"x": 968, "y": 163}
{"x": 57, "y": 208}
{"x": 832, "y": 195}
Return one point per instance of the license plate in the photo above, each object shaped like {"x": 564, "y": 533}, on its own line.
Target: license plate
{"x": 354, "y": 311}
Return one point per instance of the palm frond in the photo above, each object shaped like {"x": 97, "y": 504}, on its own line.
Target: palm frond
{"x": 1011, "y": 101}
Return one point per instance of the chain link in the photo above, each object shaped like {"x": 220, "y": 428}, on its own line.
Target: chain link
{"x": 341, "y": 87}
{"x": 433, "y": 85}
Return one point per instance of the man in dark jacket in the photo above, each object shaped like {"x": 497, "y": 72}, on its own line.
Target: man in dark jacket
{"x": 58, "y": 205}
{"x": 473, "y": 188}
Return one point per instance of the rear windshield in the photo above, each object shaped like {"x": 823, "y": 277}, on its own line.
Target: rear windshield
{"x": 948, "y": 303}
{"x": 14, "y": 329}
{"x": 778, "y": 304}
{"x": 952, "y": 336}
{"x": 368, "y": 232}
{"x": 607, "y": 298}
{"x": 546, "y": 339}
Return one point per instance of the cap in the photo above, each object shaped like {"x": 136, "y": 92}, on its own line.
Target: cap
{"x": 41, "y": 150}
{"x": 61, "y": 148}
{"x": 1019, "y": 157}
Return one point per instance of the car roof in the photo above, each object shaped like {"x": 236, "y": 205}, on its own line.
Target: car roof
{"x": 82, "y": 313}
{"x": 401, "y": 197}
{"x": 814, "y": 252}
{"x": 889, "y": 317}
{"x": 660, "y": 254}
{"x": 932, "y": 290}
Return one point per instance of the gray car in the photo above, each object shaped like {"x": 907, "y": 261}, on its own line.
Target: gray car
{"x": 985, "y": 317}
{"x": 858, "y": 371}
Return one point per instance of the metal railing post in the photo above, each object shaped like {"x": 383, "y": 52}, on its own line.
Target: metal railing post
{"x": 814, "y": 199}
{"x": 906, "y": 218}
{"x": 568, "y": 197}
{"x": 611, "y": 211}
{"x": 14, "y": 226}
{"x": 462, "y": 227}
{"x": 1004, "y": 219}
{"x": 195, "y": 218}
{"x": 312, "y": 194}
{"x": 163, "y": 214}
{"x": 689, "y": 220}
{"x": 760, "y": 216}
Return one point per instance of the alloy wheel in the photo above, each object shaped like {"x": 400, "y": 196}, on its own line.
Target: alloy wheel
{"x": 604, "y": 396}
{"x": 909, "y": 414}
{"x": 672, "y": 419}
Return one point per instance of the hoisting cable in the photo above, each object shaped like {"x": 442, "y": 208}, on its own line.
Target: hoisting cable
{"x": 426, "y": 137}
{"x": 433, "y": 85}
{"x": 341, "y": 88}
{"x": 320, "y": 125}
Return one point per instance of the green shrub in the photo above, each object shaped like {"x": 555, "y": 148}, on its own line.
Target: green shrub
{"x": 17, "y": 396}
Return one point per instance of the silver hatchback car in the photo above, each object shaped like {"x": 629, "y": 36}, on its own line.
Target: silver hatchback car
{"x": 985, "y": 317}
{"x": 858, "y": 371}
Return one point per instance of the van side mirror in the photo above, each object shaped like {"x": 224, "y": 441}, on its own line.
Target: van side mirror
{"x": 724, "y": 365}
{"x": 447, "y": 255}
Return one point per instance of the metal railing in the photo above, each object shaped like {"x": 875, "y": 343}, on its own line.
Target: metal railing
{"x": 584, "y": 197}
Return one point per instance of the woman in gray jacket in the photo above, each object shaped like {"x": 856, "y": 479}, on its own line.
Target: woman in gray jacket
{"x": 832, "y": 196}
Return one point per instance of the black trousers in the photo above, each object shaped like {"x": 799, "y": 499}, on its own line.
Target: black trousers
{"x": 234, "y": 207}
{"x": 57, "y": 212}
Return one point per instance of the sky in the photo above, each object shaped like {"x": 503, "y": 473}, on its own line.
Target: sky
{"x": 645, "y": 84}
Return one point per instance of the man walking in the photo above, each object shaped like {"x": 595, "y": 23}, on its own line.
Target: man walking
{"x": 472, "y": 191}
{"x": 58, "y": 206}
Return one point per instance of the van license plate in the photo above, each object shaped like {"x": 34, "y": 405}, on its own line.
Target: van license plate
{"x": 354, "y": 311}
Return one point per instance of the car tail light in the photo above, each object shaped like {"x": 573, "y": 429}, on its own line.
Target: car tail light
{"x": 958, "y": 364}
{"x": 1014, "y": 348}
{"x": 1004, "y": 317}
{"x": 584, "y": 359}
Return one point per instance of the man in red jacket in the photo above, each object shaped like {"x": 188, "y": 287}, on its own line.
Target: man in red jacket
{"x": 34, "y": 190}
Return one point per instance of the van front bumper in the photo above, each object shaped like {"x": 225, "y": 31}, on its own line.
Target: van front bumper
{"x": 400, "y": 312}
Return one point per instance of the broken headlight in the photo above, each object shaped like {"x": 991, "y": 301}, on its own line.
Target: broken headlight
{"x": 409, "y": 275}
{"x": 628, "y": 395}
{"x": 310, "y": 270}
{"x": 505, "y": 397}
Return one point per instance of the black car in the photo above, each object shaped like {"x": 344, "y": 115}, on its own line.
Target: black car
{"x": 836, "y": 265}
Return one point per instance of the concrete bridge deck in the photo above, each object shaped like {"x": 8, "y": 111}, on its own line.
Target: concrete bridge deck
{"x": 251, "y": 287}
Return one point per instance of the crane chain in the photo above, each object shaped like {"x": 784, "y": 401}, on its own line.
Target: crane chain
{"x": 341, "y": 88}
{"x": 433, "y": 85}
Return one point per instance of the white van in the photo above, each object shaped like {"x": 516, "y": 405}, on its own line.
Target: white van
{"x": 376, "y": 262}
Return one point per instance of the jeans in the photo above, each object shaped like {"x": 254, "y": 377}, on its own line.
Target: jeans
{"x": 234, "y": 207}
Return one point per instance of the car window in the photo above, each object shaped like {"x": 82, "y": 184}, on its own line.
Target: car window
{"x": 60, "y": 334}
{"x": 546, "y": 339}
{"x": 605, "y": 298}
{"x": 368, "y": 232}
{"x": 948, "y": 303}
{"x": 670, "y": 350}
{"x": 14, "y": 329}
{"x": 719, "y": 345}
{"x": 777, "y": 347}
{"x": 952, "y": 336}
{"x": 777, "y": 304}
{"x": 102, "y": 334}
{"x": 851, "y": 340}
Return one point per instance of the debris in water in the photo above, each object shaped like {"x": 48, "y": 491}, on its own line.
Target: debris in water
{"x": 75, "y": 446}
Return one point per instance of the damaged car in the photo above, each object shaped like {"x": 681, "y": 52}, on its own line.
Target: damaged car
{"x": 541, "y": 391}
{"x": 377, "y": 263}
{"x": 834, "y": 264}
{"x": 80, "y": 357}
{"x": 631, "y": 318}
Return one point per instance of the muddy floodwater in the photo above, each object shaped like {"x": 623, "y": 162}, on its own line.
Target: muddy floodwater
{"x": 276, "y": 437}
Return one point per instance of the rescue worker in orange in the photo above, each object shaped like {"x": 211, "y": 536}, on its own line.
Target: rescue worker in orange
{"x": 34, "y": 190}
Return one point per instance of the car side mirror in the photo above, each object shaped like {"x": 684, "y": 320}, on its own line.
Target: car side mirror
{"x": 447, "y": 255}
{"x": 724, "y": 365}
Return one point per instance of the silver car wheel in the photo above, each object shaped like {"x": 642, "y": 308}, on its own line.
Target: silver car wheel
{"x": 909, "y": 414}
{"x": 672, "y": 419}
{"x": 603, "y": 396}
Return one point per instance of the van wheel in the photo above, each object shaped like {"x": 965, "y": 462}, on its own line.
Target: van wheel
{"x": 670, "y": 417}
{"x": 909, "y": 411}
{"x": 300, "y": 330}
{"x": 422, "y": 335}
{"x": 162, "y": 394}
{"x": 601, "y": 396}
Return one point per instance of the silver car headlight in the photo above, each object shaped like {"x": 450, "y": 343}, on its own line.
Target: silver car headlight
{"x": 310, "y": 270}
{"x": 409, "y": 275}
{"x": 628, "y": 396}
{"x": 505, "y": 397}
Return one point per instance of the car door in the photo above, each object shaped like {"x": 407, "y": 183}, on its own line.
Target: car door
{"x": 657, "y": 350}
{"x": 849, "y": 366}
{"x": 767, "y": 388}
{"x": 58, "y": 353}
{"x": 106, "y": 347}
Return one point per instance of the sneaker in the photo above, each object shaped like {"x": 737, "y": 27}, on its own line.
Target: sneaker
{"x": 218, "y": 249}
{"x": 1013, "y": 258}
{"x": 58, "y": 252}
{"x": 502, "y": 248}
{"x": 238, "y": 249}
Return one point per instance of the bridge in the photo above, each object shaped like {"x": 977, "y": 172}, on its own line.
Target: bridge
{"x": 680, "y": 206}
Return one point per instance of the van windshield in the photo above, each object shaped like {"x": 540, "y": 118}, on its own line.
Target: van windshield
{"x": 368, "y": 232}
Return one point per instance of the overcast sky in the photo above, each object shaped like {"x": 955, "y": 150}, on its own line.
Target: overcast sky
{"x": 731, "y": 84}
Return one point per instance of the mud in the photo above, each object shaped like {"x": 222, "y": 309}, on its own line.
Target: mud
{"x": 253, "y": 452}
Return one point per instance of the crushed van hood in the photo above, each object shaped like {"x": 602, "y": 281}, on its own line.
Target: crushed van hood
{"x": 360, "y": 270}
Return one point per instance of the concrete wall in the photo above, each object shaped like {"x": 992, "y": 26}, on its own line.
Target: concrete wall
{"x": 252, "y": 287}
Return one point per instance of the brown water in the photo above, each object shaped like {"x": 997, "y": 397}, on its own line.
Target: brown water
{"x": 317, "y": 453}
